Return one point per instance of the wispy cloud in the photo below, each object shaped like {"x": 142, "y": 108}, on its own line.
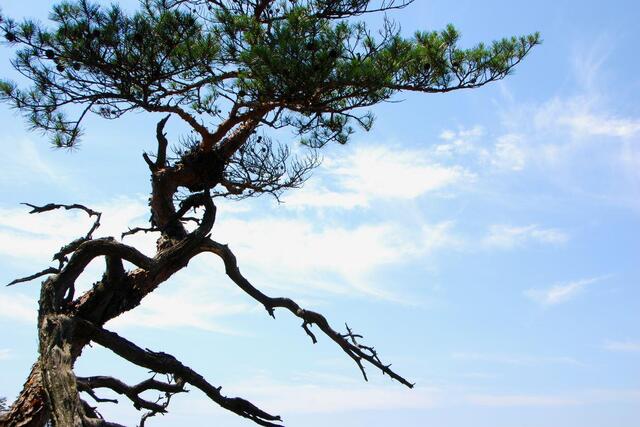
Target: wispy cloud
{"x": 504, "y": 236}
{"x": 515, "y": 359}
{"x": 578, "y": 397}
{"x": 601, "y": 125}
{"x": 24, "y": 162}
{"x": 5, "y": 353}
{"x": 296, "y": 250}
{"x": 509, "y": 153}
{"x": 37, "y": 236}
{"x": 562, "y": 292}
{"x": 190, "y": 305}
{"x": 374, "y": 172}
{"x": 312, "y": 397}
{"x": 18, "y": 307}
{"x": 623, "y": 346}
{"x": 519, "y": 400}
{"x": 459, "y": 142}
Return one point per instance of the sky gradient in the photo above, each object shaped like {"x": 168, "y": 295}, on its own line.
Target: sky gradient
{"x": 485, "y": 241}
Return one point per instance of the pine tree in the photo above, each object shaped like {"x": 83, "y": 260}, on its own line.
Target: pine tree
{"x": 233, "y": 71}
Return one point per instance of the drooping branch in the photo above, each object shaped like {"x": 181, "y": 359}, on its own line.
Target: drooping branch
{"x": 167, "y": 364}
{"x": 347, "y": 342}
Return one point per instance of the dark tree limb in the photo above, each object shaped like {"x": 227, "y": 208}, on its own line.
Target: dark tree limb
{"x": 347, "y": 342}
{"x": 161, "y": 157}
{"x": 132, "y": 231}
{"x": 46, "y": 271}
{"x": 87, "y": 251}
{"x": 93, "y": 394}
{"x": 167, "y": 364}
{"x": 88, "y": 384}
{"x": 53, "y": 206}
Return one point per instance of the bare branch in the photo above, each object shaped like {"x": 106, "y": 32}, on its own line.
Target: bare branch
{"x": 135, "y": 230}
{"x": 49, "y": 270}
{"x": 167, "y": 364}
{"x": 53, "y": 206}
{"x": 356, "y": 351}
{"x": 88, "y": 384}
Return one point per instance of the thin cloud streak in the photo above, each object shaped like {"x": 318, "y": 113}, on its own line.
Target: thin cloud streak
{"x": 561, "y": 293}
{"x": 627, "y": 346}
{"x": 516, "y": 360}
{"x": 503, "y": 236}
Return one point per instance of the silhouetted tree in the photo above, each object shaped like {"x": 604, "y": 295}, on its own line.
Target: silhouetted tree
{"x": 232, "y": 70}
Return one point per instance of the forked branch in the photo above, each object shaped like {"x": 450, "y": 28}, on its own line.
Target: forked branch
{"x": 89, "y": 384}
{"x": 167, "y": 364}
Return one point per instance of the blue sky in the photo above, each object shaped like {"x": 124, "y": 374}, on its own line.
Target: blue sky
{"x": 486, "y": 242}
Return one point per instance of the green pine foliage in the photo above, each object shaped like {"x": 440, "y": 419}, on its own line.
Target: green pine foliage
{"x": 304, "y": 62}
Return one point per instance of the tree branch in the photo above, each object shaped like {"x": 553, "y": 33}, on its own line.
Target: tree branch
{"x": 356, "y": 351}
{"x": 88, "y": 384}
{"x": 49, "y": 270}
{"x": 53, "y": 206}
{"x": 167, "y": 364}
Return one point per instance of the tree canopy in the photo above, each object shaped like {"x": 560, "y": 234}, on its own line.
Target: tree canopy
{"x": 236, "y": 72}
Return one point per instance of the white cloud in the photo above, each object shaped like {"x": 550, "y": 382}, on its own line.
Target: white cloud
{"x": 315, "y": 195}
{"x": 18, "y": 307}
{"x": 561, "y": 292}
{"x": 385, "y": 173}
{"x": 23, "y": 162}
{"x": 190, "y": 305}
{"x": 578, "y": 397}
{"x": 5, "y": 353}
{"x": 38, "y": 236}
{"x": 284, "y": 250}
{"x": 601, "y": 125}
{"x": 312, "y": 397}
{"x": 563, "y": 132}
{"x": 377, "y": 172}
{"x": 509, "y": 153}
{"x": 297, "y": 250}
{"x": 582, "y": 115}
{"x": 623, "y": 346}
{"x": 460, "y": 142}
{"x": 507, "y": 236}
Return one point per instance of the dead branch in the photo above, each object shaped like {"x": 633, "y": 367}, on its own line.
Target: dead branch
{"x": 46, "y": 271}
{"x": 132, "y": 231}
{"x": 88, "y": 384}
{"x": 353, "y": 349}
{"x": 167, "y": 364}
{"x": 53, "y": 206}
